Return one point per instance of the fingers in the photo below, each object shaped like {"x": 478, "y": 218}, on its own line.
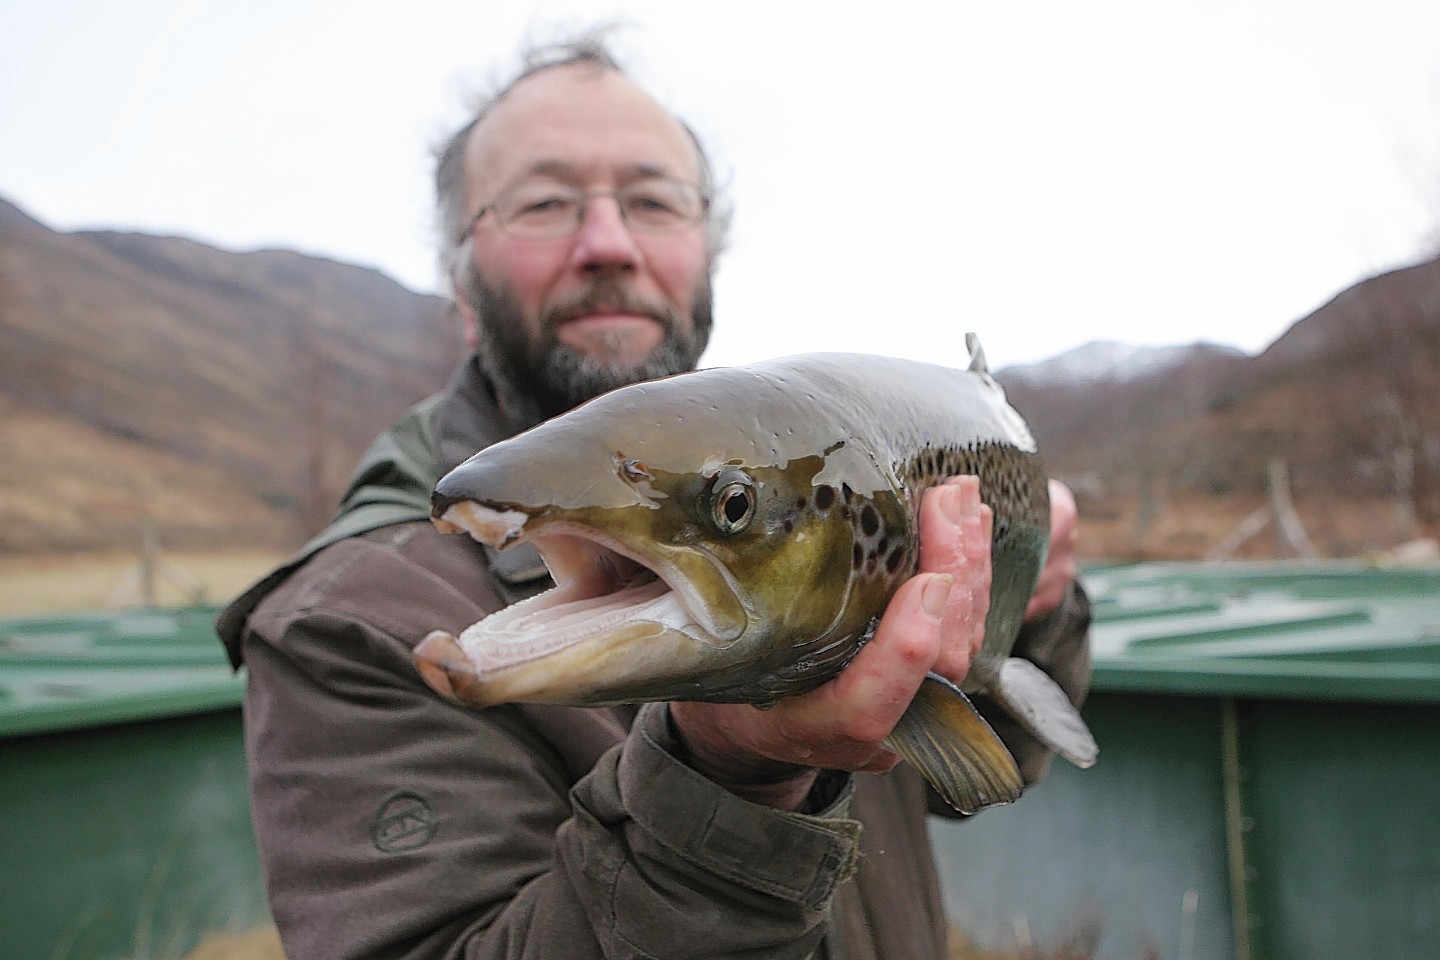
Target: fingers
{"x": 870, "y": 696}
{"x": 839, "y": 725}
{"x": 1060, "y": 563}
{"x": 935, "y": 621}
{"x": 955, "y": 533}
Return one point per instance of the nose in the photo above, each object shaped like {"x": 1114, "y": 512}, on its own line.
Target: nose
{"x": 604, "y": 243}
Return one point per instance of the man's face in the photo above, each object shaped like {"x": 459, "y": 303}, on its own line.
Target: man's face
{"x": 567, "y": 318}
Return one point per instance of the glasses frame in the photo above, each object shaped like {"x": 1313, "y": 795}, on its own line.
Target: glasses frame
{"x": 585, "y": 196}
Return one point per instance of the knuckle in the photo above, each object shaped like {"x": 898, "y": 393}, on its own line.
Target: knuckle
{"x": 918, "y": 648}
{"x": 868, "y": 727}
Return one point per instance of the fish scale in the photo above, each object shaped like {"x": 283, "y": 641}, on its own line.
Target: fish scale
{"x": 777, "y": 504}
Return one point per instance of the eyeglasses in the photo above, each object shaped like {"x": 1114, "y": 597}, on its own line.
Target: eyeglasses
{"x": 545, "y": 210}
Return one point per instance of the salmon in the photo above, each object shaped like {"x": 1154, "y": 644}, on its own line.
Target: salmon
{"x": 733, "y": 535}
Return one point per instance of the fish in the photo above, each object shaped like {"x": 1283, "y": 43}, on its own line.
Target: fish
{"x": 733, "y": 535}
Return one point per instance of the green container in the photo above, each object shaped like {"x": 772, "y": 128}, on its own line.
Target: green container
{"x": 126, "y": 827}
{"x": 1268, "y": 783}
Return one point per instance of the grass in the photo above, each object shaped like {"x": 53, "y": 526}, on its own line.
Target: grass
{"x": 263, "y": 943}
{"x": 33, "y": 584}
{"x": 1080, "y": 943}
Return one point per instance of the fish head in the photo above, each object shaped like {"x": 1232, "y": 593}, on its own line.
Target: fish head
{"x": 691, "y": 559}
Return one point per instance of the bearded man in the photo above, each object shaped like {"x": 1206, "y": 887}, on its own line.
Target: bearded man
{"x": 580, "y": 230}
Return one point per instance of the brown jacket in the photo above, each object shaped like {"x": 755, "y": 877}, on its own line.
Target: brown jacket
{"x": 393, "y": 824}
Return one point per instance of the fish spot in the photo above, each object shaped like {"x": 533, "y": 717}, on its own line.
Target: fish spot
{"x": 789, "y": 524}
{"x": 824, "y": 497}
{"x": 869, "y": 520}
{"x": 897, "y": 556}
{"x": 801, "y": 504}
{"x": 857, "y": 556}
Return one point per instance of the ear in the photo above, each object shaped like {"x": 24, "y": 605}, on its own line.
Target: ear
{"x": 469, "y": 321}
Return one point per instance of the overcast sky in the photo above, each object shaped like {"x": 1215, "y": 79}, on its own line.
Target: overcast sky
{"x": 1044, "y": 173}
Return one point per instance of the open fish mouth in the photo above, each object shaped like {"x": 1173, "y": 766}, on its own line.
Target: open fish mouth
{"x": 598, "y": 591}
{"x": 582, "y": 631}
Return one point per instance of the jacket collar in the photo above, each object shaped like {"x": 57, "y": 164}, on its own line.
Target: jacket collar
{"x": 393, "y": 480}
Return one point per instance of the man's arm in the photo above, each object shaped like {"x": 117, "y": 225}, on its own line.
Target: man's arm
{"x": 393, "y": 824}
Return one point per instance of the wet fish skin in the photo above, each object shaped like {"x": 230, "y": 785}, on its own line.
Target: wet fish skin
{"x": 779, "y": 503}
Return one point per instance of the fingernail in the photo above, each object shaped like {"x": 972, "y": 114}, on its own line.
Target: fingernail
{"x": 936, "y": 592}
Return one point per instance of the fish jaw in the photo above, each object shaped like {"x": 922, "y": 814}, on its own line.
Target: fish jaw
{"x": 477, "y": 670}
{"x": 590, "y": 559}
{"x": 614, "y": 629}
{"x": 495, "y": 528}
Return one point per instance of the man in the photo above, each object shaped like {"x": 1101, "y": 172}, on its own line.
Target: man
{"x": 580, "y": 243}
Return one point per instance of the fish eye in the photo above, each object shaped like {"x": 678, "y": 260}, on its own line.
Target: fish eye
{"x": 733, "y": 504}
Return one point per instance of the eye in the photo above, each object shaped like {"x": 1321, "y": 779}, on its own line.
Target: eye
{"x": 734, "y": 506}
{"x": 732, "y": 502}
{"x": 543, "y": 206}
{"x": 650, "y": 203}
{"x": 660, "y": 204}
{"x": 540, "y": 200}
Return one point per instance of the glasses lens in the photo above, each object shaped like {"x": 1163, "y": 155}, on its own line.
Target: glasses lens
{"x": 660, "y": 205}
{"x": 539, "y": 209}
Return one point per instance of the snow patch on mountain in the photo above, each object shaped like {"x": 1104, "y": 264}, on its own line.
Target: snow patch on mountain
{"x": 1108, "y": 360}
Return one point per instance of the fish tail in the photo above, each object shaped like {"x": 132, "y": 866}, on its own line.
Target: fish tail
{"x": 1032, "y": 698}
{"x": 943, "y": 737}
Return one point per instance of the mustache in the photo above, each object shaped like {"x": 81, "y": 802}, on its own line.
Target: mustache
{"x": 604, "y": 296}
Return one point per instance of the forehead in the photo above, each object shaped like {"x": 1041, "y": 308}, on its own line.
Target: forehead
{"x": 579, "y": 117}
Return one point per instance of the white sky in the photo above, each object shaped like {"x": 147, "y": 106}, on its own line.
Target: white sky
{"x": 1045, "y": 173}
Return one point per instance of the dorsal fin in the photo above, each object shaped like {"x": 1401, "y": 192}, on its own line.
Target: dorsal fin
{"x": 977, "y": 354}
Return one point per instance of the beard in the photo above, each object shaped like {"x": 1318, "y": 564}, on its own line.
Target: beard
{"x": 537, "y": 377}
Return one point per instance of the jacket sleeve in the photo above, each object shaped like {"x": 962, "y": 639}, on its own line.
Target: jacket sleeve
{"x": 392, "y": 824}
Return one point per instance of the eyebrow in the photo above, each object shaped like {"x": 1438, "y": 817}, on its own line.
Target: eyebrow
{"x": 565, "y": 170}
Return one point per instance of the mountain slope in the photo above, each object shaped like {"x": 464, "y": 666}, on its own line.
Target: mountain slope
{"x": 257, "y": 377}
{"x": 1348, "y": 399}
{"x": 223, "y": 397}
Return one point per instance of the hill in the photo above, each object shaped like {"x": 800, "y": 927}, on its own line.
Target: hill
{"x": 1169, "y": 458}
{"x": 220, "y": 397}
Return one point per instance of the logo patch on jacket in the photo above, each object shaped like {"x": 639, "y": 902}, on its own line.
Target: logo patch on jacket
{"x": 405, "y": 820}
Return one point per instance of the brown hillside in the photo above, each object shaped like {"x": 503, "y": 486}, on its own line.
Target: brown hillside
{"x": 223, "y": 397}
{"x": 218, "y": 394}
{"x": 1348, "y": 399}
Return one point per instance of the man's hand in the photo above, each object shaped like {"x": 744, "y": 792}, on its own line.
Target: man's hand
{"x": 936, "y": 621}
{"x": 1060, "y": 568}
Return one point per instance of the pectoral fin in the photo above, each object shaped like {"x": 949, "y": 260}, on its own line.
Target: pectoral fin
{"x": 943, "y": 737}
{"x": 1032, "y": 698}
